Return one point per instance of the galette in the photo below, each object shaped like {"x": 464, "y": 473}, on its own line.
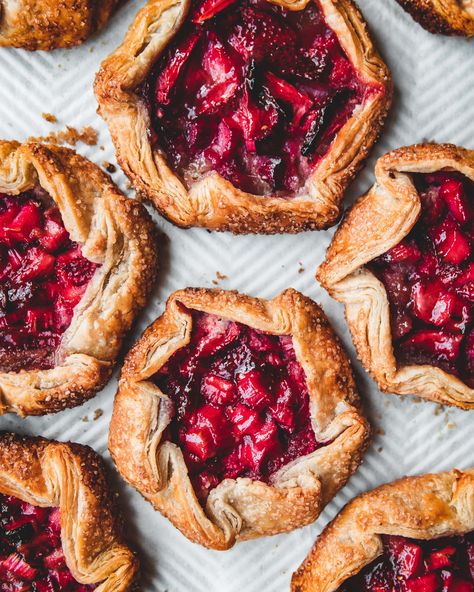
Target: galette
{"x": 402, "y": 262}
{"x": 237, "y": 417}
{"x": 448, "y": 17}
{"x": 412, "y": 535}
{"x": 51, "y": 24}
{"x": 59, "y": 524}
{"x": 77, "y": 260}
{"x": 245, "y": 115}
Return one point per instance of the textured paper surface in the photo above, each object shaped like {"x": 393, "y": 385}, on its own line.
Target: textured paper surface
{"x": 434, "y": 100}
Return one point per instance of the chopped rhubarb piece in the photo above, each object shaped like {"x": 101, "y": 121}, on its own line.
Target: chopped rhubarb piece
{"x": 209, "y": 8}
{"x": 435, "y": 342}
{"x": 440, "y": 558}
{"x": 403, "y": 252}
{"x": 432, "y": 303}
{"x": 452, "y": 191}
{"x": 451, "y": 243}
{"x": 169, "y": 75}
{"x": 241, "y": 403}
{"x": 425, "y": 583}
{"x": 284, "y": 91}
{"x": 406, "y": 557}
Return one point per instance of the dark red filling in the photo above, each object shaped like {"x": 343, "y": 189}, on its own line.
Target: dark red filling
{"x": 252, "y": 91}
{"x": 31, "y": 555}
{"x": 429, "y": 278}
{"x": 241, "y": 403}
{"x": 43, "y": 275}
{"x": 407, "y": 565}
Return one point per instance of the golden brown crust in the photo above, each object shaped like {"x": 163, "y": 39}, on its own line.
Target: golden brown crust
{"x": 214, "y": 202}
{"x": 238, "y": 509}
{"x": 113, "y": 231}
{"x": 448, "y": 17}
{"x": 378, "y": 221}
{"x": 72, "y": 477}
{"x": 425, "y": 507}
{"x": 50, "y": 24}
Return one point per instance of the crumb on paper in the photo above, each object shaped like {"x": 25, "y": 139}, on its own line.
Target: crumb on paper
{"x": 450, "y": 425}
{"x": 49, "y": 117}
{"x": 102, "y": 147}
{"x": 85, "y": 419}
{"x": 98, "y": 413}
{"x": 109, "y": 167}
{"x": 87, "y": 135}
{"x": 221, "y": 276}
{"x": 379, "y": 449}
{"x": 215, "y": 282}
{"x": 439, "y": 409}
{"x": 380, "y": 432}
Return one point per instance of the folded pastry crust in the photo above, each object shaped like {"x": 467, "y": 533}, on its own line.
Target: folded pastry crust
{"x": 46, "y": 473}
{"x": 213, "y": 202}
{"x": 238, "y": 509}
{"x": 113, "y": 231}
{"x": 378, "y": 221}
{"x": 449, "y": 17}
{"x": 50, "y": 24}
{"x": 425, "y": 507}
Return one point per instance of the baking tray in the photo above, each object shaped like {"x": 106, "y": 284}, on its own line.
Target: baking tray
{"x": 434, "y": 100}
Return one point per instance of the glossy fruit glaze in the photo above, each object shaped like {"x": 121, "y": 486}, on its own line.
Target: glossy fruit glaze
{"x": 407, "y": 565}
{"x": 31, "y": 555}
{"x": 241, "y": 403}
{"x": 43, "y": 275}
{"x": 252, "y": 91}
{"x": 429, "y": 278}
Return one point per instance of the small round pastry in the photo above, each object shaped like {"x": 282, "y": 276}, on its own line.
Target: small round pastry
{"x": 412, "y": 535}
{"x": 237, "y": 417}
{"x": 245, "y": 115}
{"x": 402, "y": 262}
{"x": 77, "y": 260}
{"x": 448, "y": 17}
{"x": 51, "y": 24}
{"x": 59, "y": 522}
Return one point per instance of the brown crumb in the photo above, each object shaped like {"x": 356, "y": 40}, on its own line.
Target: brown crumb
{"x": 215, "y": 282}
{"x": 109, "y": 167}
{"x": 101, "y": 147}
{"x": 450, "y": 425}
{"x": 98, "y": 413}
{"x": 301, "y": 270}
{"x": 221, "y": 276}
{"x": 87, "y": 135}
{"x": 85, "y": 418}
{"x": 379, "y": 449}
{"x": 49, "y": 117}
{"x": 438, "y": 410}
{"x": 380, "y": 432}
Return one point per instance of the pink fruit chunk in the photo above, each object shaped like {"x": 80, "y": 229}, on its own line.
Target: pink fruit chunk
{"x": 254, "y": 391}
{"x": 262, "y": 446}
{"x": 245, "y": 420}
{"x": 218, "y": 390}
{"x": 435, "y": 342}
{"x": 452, "y": 192}
{"x": 403, "y": 252}
{"x": 406, "y": 556}
{"x": 209, "y": 8}
{"x": 255, "y": 121}
{"x": 284, "y": 91}
{"x": 441, "y": 558}
{"x": 173, "y": 68}
{"x": 451, "y": 243}
{"x": 432, "y": 303}
{"x": 425, "y": 583}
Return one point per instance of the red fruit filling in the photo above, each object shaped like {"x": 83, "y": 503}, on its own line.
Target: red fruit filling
{"x": 407, "y": 565}
{"x": 252, "y": 91}
{"x": 43, "y": 275}
{"x": 31, "y": 555}
{"x": 429, "y": 279}
{"x": 241, "y": 403}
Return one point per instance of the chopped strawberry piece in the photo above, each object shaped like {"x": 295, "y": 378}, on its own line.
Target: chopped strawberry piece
{"x": 245, "y": 420}
{"x": 441, "y": 558}
{"x": 261, "y": 447}
{"x": 255, "y": 121}
{"x": 407, "y": 557}
{"x": 432, "y": 303}
{"x": 435, "y": 342}
{"x": 403, "y": 252}
{"x": 54, "y": 237}
{"x": 173, "y": 68}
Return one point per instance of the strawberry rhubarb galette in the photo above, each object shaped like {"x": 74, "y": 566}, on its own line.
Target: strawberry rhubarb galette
{"x": 412, "y": 535}
{"x": 403, "y": 263}
{"x": 449, "y": 17}
{"x": 245, "y": 115}
{"x": 50, "y": 24}
{"x": 237, "y": 417}
{"x": 59, "y": 529}
{"x": 77, "y": 260}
